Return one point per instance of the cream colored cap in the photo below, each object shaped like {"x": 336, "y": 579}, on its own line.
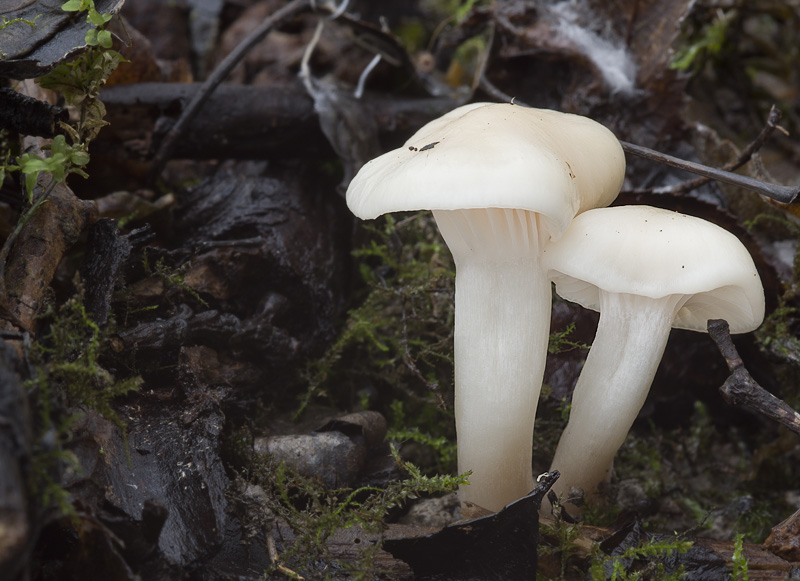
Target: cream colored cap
{"x": 646, "y": 251}
{"x": 490, "y": 155}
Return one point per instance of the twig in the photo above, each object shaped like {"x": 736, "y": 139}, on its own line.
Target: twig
{"x": 741, "y": 389}
{"x": 784, "y": 194}
{"x": 272, "y": 551}
{"x": 747, "y": 153}
{"x": 362, "y": 79}
{"x": 225, "y": 67}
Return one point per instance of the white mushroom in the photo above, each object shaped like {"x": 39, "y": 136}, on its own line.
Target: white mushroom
{"x": 646, "y": 270}
{"x": 501, "y": 181}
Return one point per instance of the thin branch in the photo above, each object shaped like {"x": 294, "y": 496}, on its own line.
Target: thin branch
{"x": 783, "y": 194}
{"x": 745, "y": 156}
{"x": 362, "y": 79}
{"x": 220, "y": 73}
{"x": 741, "y": 389}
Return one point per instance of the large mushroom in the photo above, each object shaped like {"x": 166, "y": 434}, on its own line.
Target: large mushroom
{"x": 501, "y": 181}
{"x": 646, "y": 270}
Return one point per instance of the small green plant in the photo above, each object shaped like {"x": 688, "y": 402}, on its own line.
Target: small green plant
{"x": 64, "y": 159}
{"x": 739, "y": 560}
{"x": 559, "y": 537}
{"x": 644, "y": 561}
{"x": 171, "y": 277}
{"x": 97, "y": 35}
{"x": 79, "y": 81}
{"x": 706, "y": 45}
{"x": 560, "y": 341}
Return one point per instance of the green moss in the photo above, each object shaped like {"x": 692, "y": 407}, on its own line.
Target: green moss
{"x": 560, "y": 341}
{"x": 316, "y": 515}
{"x": 172, "y": 277}
{"x": 68, "y": 376}
{"x": 443, "y": 448}
{"x": 69, "y": 355}
{"x": 642, "y": 561}
{"x": 396, "y": 343}
{"x": 740, "y": 568}
{"x": 704, "y": 43}
{"x": 558, "y": 539}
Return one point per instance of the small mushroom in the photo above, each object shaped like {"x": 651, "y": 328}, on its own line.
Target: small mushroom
{"x": 501, "y": 181}
{"x": 646, "y": 270}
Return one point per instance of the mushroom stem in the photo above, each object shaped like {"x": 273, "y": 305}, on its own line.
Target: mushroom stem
{"x": 631, "y": 336}
{"x": 502, "y": 323}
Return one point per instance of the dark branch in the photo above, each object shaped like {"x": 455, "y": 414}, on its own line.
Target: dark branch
{"x": 28, "y": 116}
{"x": 783, "y": 194}
{"x": 220, "y": 73}
{"x": 745, "y": 156}
{"x": 741, "y": 389}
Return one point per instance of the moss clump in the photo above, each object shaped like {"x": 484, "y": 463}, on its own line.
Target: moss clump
{"x": 557, "y": 541}
{"x": 67, "y": 375}
{"x": 396, "y": 344}
{"x": 172, "y": 277}
{"x": 316, "y": 515}
{"x": 560, "y": 341}
{"x": 643, "y": 561}
{"x": 68, "y": 365}
{"x": 443, "y": 448}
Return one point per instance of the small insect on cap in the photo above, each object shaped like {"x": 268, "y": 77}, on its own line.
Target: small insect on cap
{"x": 491, "y": 155}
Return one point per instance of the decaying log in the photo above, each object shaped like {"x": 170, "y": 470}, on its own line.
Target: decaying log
{"x": 241, "y": 122}
{"x": 784, "y": 540}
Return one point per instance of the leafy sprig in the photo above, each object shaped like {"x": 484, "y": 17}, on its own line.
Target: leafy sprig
{"x": 96, "y": 35}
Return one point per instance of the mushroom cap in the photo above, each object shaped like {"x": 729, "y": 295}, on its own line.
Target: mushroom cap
{"x": 496, "y": 155}
{"x": 651, "y": 252}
